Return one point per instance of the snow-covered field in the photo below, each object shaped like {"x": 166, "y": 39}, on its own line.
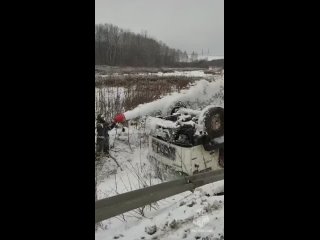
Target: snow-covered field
{"x": 210, "y": 58}
{"x": 189, "y": 215}
{"x": 185, "y": 73}
{"x": 198, "y": 73}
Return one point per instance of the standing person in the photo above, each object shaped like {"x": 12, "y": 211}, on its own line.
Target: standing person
{"x": 103, "y": 135}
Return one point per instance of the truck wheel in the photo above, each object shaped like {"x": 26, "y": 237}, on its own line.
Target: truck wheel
{"x": 214, "y": 122}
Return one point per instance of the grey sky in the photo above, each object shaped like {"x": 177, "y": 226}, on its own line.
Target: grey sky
{"x": 184, "y": 24}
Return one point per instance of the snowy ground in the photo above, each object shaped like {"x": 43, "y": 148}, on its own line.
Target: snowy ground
{"x": 210, "y": 58}
{"x": 185, "y": 73}
{"x": 183, "y": 216}
{"x": 197, "y": 73}
{"x": 189, "y": 215}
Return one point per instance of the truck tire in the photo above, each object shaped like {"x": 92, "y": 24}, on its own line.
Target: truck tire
{"x": 213, "y": 121}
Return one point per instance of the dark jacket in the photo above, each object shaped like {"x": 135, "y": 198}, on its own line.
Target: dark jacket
{"x": 103, "y": 129}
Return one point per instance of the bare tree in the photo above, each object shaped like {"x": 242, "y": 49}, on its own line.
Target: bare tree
{"x": 114, "y": 46}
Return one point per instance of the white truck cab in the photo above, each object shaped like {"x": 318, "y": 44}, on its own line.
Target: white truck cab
{"x": 189, "y": 160}
{"x": 175, "y": 141}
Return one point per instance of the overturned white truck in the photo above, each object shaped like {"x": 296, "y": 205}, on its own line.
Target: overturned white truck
{"x": 188, "y": 141}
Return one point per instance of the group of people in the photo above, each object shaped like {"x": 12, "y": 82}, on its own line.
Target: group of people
{"x": 103, "y": 128}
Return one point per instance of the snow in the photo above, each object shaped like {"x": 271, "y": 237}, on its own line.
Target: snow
{"x": 188, "y": 215}
{"x": 209, "y": 58}
{"x": 184, "y": 215}
{"x": 189, "y": 111}
{"x": 197, "y": 73}
{"x": 185, "y": 74}
{"x": 152, "y": 123}
{"x": 202, "y": 93}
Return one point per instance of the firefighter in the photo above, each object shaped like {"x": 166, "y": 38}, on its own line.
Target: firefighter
{"x": 103, "y": 129}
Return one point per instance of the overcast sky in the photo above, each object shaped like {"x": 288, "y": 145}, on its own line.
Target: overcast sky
{"x": 184, "y": 24}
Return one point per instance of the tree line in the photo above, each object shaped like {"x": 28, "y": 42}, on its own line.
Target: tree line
{"x": 118, "y": 47}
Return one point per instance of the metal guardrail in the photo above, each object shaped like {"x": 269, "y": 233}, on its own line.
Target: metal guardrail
{"x": 113, "y": 206}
